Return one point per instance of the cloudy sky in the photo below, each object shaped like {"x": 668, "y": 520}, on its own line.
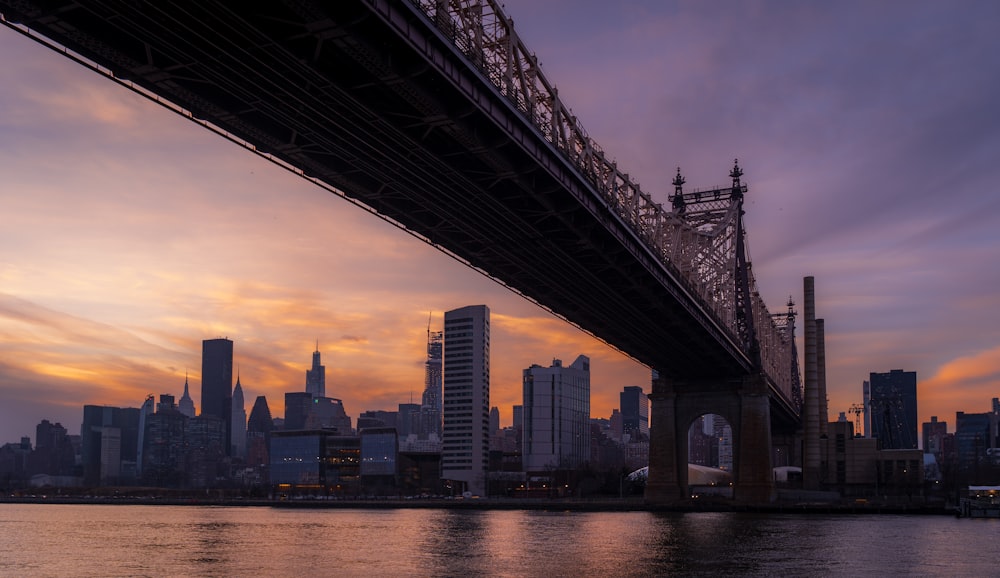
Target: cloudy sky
{"x": 869, "y": 133}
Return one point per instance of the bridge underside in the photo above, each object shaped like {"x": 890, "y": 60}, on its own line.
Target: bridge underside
{"x": 749, "y": 410}
{"x": 370, "y": 99}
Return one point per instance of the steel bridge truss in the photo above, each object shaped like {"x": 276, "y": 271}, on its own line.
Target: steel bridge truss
{"x": 700, "y": 239}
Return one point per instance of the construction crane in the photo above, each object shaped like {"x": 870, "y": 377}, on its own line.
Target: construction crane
{"x": 857, "y": 410}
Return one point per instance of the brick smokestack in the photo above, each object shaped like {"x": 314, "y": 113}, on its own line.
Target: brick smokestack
{"x": 811, "y": 455}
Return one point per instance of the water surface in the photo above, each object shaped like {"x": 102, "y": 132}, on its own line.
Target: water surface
{"x": 134, "y": 540}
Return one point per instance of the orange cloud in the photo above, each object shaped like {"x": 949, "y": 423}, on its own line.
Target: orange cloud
{"x": 964, "y": 384}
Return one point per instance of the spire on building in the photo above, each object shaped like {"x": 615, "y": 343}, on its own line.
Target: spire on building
{"x": 316, "y": 377}
{"x": 186, "y": 404}
{"x": 239, "y": 421}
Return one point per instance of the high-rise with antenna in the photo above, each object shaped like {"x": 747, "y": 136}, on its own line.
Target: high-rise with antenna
{"x": 316, "y": 377}
{"x": 432, "y": 369}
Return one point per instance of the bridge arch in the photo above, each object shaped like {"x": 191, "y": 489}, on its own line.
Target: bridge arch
{"x": 710, "y": 455}
{"x": 676, "y": 404}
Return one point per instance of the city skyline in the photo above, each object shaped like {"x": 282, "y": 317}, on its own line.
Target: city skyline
{"x": 131, "y": 234}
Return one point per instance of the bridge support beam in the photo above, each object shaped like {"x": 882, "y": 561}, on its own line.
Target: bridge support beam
{"x": 667, "y": 481}
{"x": 754, "y": 475}
{"x": 675, "y": 405}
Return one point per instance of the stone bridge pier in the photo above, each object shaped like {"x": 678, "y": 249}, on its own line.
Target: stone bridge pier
{"x": 745, "y": 405}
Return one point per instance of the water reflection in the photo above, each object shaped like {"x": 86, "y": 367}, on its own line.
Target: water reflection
{"x": 53, "y": 540}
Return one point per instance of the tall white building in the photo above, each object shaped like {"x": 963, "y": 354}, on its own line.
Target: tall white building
{"x": 465, "y": 404}
{"x": 556, "y": 416}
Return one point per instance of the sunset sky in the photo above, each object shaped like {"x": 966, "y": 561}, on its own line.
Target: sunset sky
{"x": 869, "y": 133}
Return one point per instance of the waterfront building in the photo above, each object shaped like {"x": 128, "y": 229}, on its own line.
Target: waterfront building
{"x": 316, "y": 376}
{"x": 163, "y": 450}
{"x": 893, "y": 405}
{"x": 316, "y": 462}
{"x": 108, "y": 438}
{"x": 204, "y": 444}
{"x": 217, "y": 381}
{"x": 420, "y": 471}
{"x": 635, "y": 412}
{"x": 379, "y": 451}
{"x": 972, "y": 440}
{"x": 854, "y": 466}
{"x": 238, "y": 423}
{"x": 466, "y": 398}
{"x": 556, "y": 402}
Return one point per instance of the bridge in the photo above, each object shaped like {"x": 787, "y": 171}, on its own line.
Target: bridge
{"x": 433, "y": 114}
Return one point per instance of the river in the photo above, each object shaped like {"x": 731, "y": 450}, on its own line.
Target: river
{"x": 137, "y": 540}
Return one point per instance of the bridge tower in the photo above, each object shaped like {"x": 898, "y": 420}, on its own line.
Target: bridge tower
{"x": 743, "y": 400}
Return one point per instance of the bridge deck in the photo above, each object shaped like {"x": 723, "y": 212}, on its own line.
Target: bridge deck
{"x": 372, "y": 100}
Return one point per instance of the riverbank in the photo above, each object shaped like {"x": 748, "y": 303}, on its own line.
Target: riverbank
{"x": 565, "y": 505}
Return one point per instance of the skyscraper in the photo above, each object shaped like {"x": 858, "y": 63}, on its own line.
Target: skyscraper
{"x": 259, "y": 428}
{"x": 238, "y": 423}
{"x": 934, "y": 434}
{"x": 298, "y": 404}
{"x": 556, "y": 415}
{"x": 147, "y": 409}
{"x": 217, "y": 381}
{"x": 496, "y": 434}
{"x": 163, "y": 450}
{"x": 407, "y": 419}
{"x": 186, "y": 404}
{"x": 316, "y": 377}
{"x": 430, "y": 410}
{"x": 972, "y": 438}
{"x": 466, "y": 398}
{"x": 894, "y": 409}
{"x": 635, "y": 412}
{"x": 432, "y": 370}
{"x": 108, "y": 438}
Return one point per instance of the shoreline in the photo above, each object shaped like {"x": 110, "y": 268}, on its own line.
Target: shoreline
{"x": 553, "y": 505}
